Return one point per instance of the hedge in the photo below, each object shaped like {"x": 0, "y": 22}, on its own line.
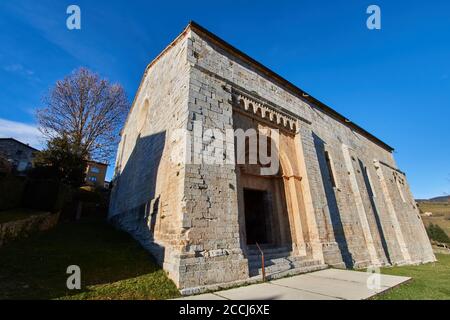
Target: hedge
{"x": 11, "y": 191}
{"x": 46, "y": 195}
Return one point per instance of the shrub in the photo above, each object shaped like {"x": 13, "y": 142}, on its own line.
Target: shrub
{"x": 92, "y": 202}
{"x": 437, "y": 234}
{"x": 87, "y": 194}
{"x": 46, "y": 195}
{"x": 11, "y": 190}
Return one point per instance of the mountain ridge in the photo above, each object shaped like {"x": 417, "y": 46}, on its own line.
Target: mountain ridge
{"x": 436, "y": 199}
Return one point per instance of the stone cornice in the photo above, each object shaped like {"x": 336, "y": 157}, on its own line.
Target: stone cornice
{"x": 258, "y": 108}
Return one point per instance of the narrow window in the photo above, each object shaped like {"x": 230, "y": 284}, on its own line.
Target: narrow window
{"x": 330, "y": 167}
{"x": 143, "y": 115}
{"x": 95, "y": 170}
{"x": 120, "y": 152}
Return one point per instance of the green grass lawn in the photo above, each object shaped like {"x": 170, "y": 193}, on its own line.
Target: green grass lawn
{"x": 113, "y": 265}
{"x": 17, "y": 214}
{"x": 430, "y": 281}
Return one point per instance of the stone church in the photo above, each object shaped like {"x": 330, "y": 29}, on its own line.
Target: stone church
{"x": 337, "y": 198}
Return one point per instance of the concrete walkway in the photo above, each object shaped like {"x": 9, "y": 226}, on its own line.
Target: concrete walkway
{"x": 330, "y": 284}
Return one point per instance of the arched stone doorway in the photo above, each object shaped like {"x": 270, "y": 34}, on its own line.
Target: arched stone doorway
{"x": 269, "y": 204}
{"x": 265, "y": 209}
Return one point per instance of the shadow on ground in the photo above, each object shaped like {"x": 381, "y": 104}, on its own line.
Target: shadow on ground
{"x": 113, "y": 265}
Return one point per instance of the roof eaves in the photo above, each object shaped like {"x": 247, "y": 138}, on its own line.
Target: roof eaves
{"x": 287, "y": 84}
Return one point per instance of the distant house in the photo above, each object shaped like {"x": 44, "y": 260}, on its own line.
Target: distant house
{"x": 95, "y": 173}
{"x": 18, "y": 154}
{"x": 5, "y": 166}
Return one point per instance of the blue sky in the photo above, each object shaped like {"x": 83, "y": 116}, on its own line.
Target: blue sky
{"x": 394, "y": 82}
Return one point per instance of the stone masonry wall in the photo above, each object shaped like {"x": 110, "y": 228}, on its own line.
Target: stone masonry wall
{"x": 213, "y": 254}
{"x": 355, "y": 227}
{"x": 147, "y": 197}
{"x": 20, "y": 229}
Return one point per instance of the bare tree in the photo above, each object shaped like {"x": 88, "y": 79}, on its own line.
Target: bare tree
{"x": 86, "y": 109}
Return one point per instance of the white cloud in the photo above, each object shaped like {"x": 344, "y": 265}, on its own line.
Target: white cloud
{"x": 21, "y": 70}
{"x": 24, "y": 132}
{"x": 18, "y": 68}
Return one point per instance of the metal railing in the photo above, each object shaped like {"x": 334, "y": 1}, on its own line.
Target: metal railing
{"x": 262, "y": 262}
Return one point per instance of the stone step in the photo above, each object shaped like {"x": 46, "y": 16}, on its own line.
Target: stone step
{"x": 271, "y": 269}
{"x": 267, "y": 251}
{"x": 268, "y": 256}
{"x": 281, "y": 265}
{"x": 277, "y": 260}
{"x": 268, "y": 246}
{"x": 295, "y": 271}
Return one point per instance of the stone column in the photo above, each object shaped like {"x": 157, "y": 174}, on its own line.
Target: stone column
{"x": 313, "y": 230}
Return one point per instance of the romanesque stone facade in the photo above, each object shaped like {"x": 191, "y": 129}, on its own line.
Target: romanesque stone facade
{"x": 337, "y": 199}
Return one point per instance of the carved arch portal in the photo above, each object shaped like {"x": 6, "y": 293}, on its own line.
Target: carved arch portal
{"x": 271, "y": 207}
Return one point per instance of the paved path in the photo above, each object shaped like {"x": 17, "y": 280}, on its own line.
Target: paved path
{"x": 330, "y": 284}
